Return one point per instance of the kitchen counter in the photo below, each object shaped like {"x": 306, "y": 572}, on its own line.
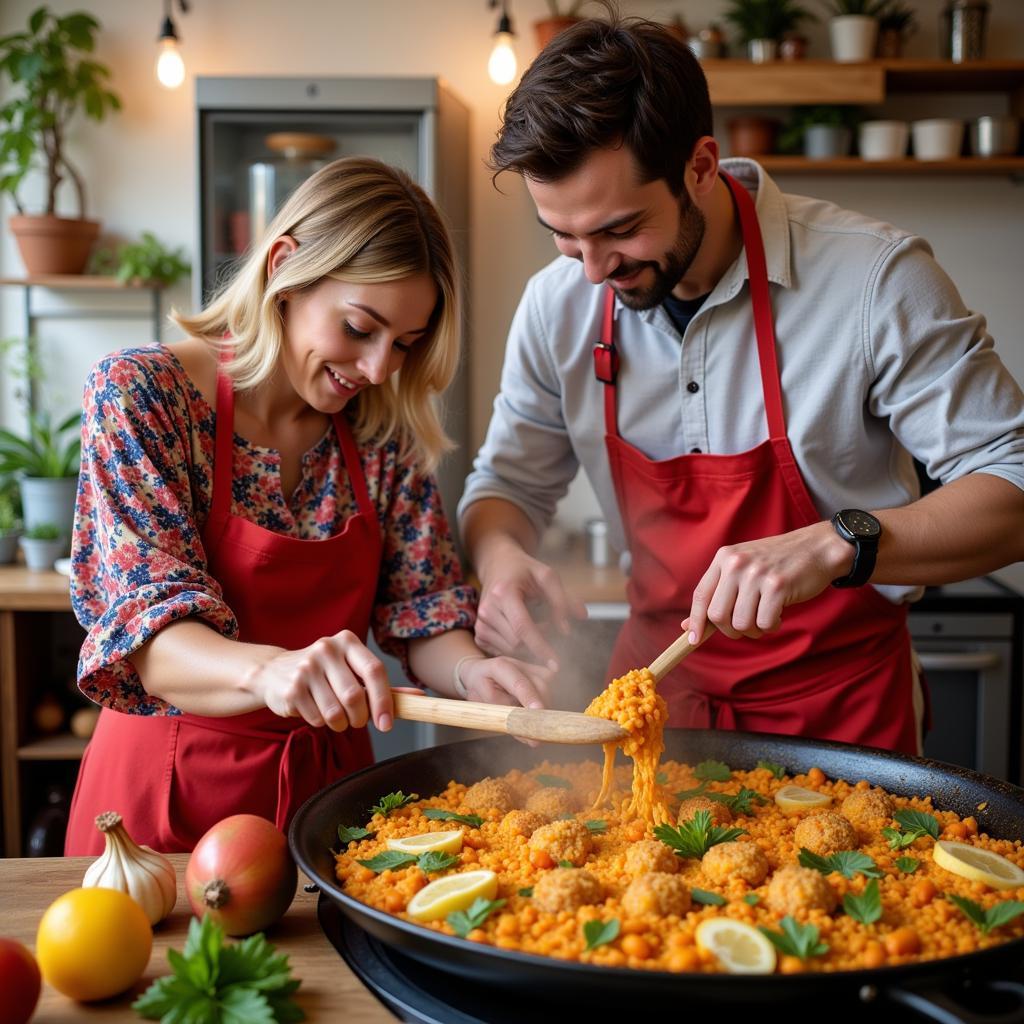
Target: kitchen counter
{"x": 329, "y": 990}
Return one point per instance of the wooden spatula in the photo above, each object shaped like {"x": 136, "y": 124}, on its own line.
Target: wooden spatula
{"x": 526, "y": 723}
{"x": 675, "y": 652}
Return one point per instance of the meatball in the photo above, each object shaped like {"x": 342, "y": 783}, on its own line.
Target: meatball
{"x": 650, "y": 855}
{"x": 657, "y": 893}
{"x": 794, "y": 888}
{"x": 522, "y": 823}
{"x": 490, "y": 793}
{"x": 552, "y": 802}
{"x": 566, "y": 890}
{"x": 825, "y": 834}
{"x": 736, "y": 860}
{"x": 564, "y": 840}
{"x": 720, "y": 814}
{"x": 866, "y": 807}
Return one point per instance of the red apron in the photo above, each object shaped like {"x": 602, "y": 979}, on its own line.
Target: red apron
{"x": 173, "y": 776}
{"x": 839, "y": 666}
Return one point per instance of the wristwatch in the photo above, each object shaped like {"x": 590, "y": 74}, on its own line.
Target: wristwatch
{"x": 863, "y": 531}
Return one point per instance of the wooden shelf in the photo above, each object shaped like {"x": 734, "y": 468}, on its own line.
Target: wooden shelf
{"x": 82, "y": 282}
{"x": 61, "y": 747}
{"x": 1001, "y": 166}
{"x": 24, "y": 590}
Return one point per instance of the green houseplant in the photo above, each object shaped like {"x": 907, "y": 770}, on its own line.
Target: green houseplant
{"x": 147, "y": 260}
{"x": 52, "y": 78}
{"x": 762, "y": 23}
{"x": 820, "y": 133}
{"x": 895, "y": 23}
{"x": 9, "y": 524}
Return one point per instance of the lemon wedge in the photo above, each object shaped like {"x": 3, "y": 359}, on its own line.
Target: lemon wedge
{"x": 428, "y": 842}
{"x": 453, "y": 892}
{"x": 795, "y": 798}
{"x": 739, "y": 948}
{"x": 977, "y": 864}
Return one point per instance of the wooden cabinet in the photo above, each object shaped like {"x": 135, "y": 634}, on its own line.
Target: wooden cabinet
{"x": 739, "y": 83}
{"x": 34, "y": 608}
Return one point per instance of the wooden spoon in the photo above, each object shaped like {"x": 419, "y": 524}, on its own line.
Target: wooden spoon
{"x": 675, "y": 652}
{"x": 526, "y": 723}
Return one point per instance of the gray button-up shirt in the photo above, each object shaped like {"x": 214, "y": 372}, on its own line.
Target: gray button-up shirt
{"x": 878, "y": 356}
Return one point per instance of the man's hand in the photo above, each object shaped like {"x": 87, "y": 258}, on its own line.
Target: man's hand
{"x": 747, "y": 585}
{"x": 512, "y": 581}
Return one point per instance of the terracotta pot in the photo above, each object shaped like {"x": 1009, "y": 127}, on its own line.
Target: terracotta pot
{"x": 793, "y": 47}
{"x": 54, "y": 245}
{"x": 752, "y": 136}
{"x": 548, "y": 28}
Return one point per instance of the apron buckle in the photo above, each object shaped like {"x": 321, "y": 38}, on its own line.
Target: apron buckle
{"x": 606, "y": 362}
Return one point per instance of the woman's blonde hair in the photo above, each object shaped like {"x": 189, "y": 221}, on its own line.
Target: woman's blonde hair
{"x": 361, "y": 221}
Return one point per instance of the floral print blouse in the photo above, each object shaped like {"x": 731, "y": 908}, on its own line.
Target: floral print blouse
{"x": 144, "y": 493}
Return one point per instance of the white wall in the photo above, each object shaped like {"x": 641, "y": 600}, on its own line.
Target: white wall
{"x": 141, "y": 164}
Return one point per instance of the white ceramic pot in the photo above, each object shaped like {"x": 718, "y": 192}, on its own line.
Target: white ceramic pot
{"x": 883, "y": 140}
{"x": 826, "y": 141}
{"x": 41, "y": 554}
{"x": 853, "y": 37}
{"x": 937, "y": 138}
{"x": 762, "y": 51}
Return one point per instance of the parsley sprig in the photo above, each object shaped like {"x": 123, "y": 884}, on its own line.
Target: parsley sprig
{"x": 437, "y": 814}
{"x": 716, "y": 771}
{"x": 600, "y": 933}
{"x": 709, "y": 899}
{"x": 392, "y": 802}
{"x": 596, "y": 826}
{"x": 738, "y": 803}
{"x": 908, "y": 865}
{"x": 866, "y": 908}
{"x": 686, "y": 794}
{"x": 776, "y": 769}
{"x": 914, "y": 825}
{"x": 994, "y": 917}
{"x": 554, "y": 780}
{"x": 795, "y": 939}
{"x": 464, "y": 921}
{"x": 428, "y": 863}
{"x": 353, "y": 835}
{"x": 847, "y": 862}
{"x": 213, "y": 982}
{"x": 695, "y": 837}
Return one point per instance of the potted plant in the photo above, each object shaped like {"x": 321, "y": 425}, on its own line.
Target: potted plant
{"x": 560, "y": 18}
{"x": 762, "y": 23}
{"x": 42, "y": 545}
{"x": 853, "y": 28}
{"x": 46, "y": 465}
{"x": 895, "y": 23}
{"x": 147, "y": 261}
{"x": 752, "y": 136}
{"x": 53, "y": 77}
{"x": 820, "y": 133}
{"x": 10, "y": 526}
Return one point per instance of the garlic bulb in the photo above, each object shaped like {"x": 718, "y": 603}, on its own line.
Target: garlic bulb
{"x": 145, "y": 875}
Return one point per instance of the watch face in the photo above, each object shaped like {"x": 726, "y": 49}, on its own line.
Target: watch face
{"x": 860, "y": 524}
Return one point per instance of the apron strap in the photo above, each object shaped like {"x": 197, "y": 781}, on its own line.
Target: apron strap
{"x": 353, "y": 465}
{"x": 606, "y": 362}
{"x": 224, "y": 442}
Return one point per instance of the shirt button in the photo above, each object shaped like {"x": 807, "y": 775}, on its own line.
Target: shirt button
{"x": 695, "y": 451}
{"x": 693, "y": 387}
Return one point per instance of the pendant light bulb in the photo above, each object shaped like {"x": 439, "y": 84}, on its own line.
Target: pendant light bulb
{"x": 502, "y": 64}
{"x": 170, "y": 68}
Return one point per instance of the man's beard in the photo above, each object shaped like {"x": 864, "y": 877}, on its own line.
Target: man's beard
{"x": 675, "y": 263}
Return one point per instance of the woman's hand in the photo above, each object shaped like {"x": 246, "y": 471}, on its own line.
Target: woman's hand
{"x": 506, "y": 681}
{"x": 336, "y": 681}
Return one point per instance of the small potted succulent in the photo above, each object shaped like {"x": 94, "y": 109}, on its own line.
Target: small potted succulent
{"x": 10, "y": 525}
{"x": 895, "y": 23}
{"x": 42, "y": 545}
{"x": 820, "y": 133}
{"x": 853, "y": 28}
{"x": 763, "y": 23}
{"x": 561, "y": 17}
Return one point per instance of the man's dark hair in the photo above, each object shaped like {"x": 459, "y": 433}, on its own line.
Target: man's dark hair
{"x": 601, "y": 84}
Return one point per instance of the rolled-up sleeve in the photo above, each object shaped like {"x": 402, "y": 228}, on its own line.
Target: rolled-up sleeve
{"x": 137, "y": 556}
{"x": 527, "y": 457}
{"x": 948, "y": 397}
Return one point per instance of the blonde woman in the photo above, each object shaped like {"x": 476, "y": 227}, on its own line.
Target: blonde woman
{"x": 252, "y": 500}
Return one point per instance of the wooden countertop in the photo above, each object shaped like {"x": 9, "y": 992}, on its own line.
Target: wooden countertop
{"x": 329, "y": 990}
{"x": 587, "y": 582}
{"x": 24, "y": 590}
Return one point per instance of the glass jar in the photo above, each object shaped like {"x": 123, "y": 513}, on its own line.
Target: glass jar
{"x": 297, "y": 156}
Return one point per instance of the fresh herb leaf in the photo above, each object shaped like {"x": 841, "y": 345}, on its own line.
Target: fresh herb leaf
{"x": 740, "y": 802}
{"x": 389, "y": 860}
{"x": 908, "y": 865}
{"x": 994, "y": 917}
{"x": 687, "y": 794}
{"x": 566, "y": 864}
{"x": 900, "y": 840}
{"x": 600, "y": 933}
{"x": 776, "y": 769}
{"x": 710, "y": 899}
{"x": 847, "y": 862}
{"x": 752, "y": 899}
{"x": 436, "y": 814}
{"x": 526, "y": 891}
{"x": 661, "y": 779}
{"x": 464, "y": 921}
{"x": 716, "y": 771}
{"x": 353, "y": 835}
{"x": 244, "y": 981}
{"x": 597, "y": 826}
{"x": 919, "y": 822}
{"x": 392, "y": 802}
{"x": 436, "y": 860}
{"x": 554, "y": 780}
{"x": 795, "y": 939}
{"x": 866, "y": 908}
{"x": 695, "y": 837}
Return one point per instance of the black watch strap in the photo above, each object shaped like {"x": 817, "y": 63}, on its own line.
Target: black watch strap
{"x": 865, "y": 547}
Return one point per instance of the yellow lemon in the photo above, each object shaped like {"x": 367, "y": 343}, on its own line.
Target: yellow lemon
{"x": 977, "y": 864}
{"x": 795, "y": 798}
{"x": 429, "y": 842}
{"x": 739, "y": 948}
{"x": 453, "y": 892}
{"x": 93, "y": 943}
